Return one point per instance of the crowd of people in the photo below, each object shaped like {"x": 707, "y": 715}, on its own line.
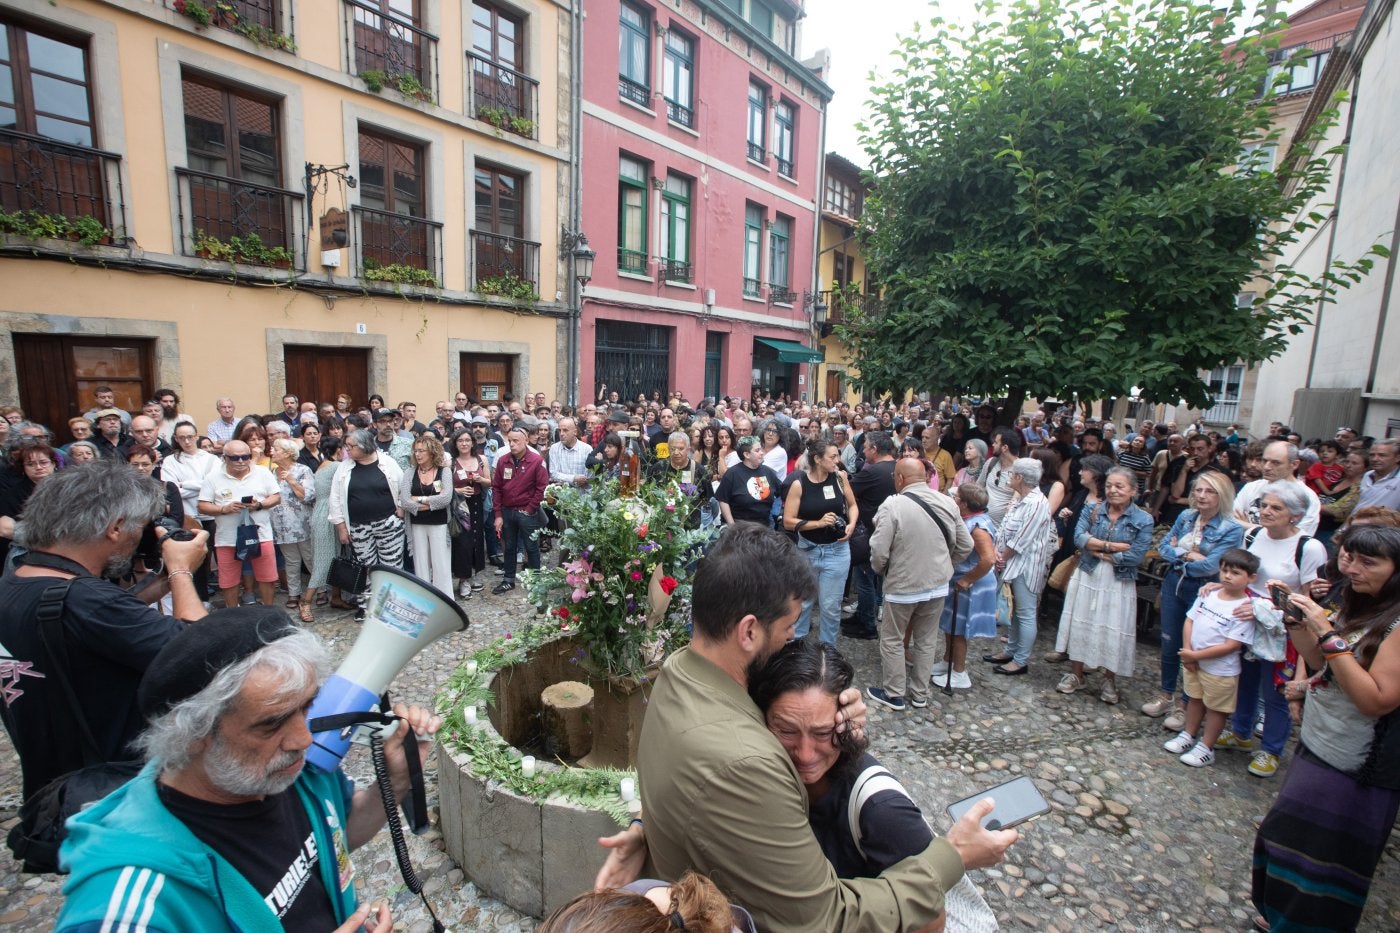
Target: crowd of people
{"x": 896, "y": 522}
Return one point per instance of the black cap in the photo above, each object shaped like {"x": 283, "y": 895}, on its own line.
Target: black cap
{"x": 384, "y": 413}
{"x": 194, "y": 657}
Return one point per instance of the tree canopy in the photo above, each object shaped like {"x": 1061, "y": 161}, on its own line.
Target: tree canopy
{"x": 1059, "y": 204}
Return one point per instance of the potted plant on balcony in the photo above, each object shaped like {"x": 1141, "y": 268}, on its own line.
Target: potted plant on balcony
{"x": 85, "y": 230}
{"x": 398, "y": 273}
{"x": 510, "y": 286}
{"x": 248, "y": 249}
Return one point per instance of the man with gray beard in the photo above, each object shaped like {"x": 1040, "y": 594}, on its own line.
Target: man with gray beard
{"x": 226, "y": 821}
{"x": 81, "y": 527}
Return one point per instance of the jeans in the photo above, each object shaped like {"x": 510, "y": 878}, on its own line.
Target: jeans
{"x": 493, "y": 542}
{"x": 1023, "y": 621}
{"x": 515, "y": 526}
{"x": 830, "y": 563}
{"x": 1178, "y": 595}
{"x": 1256, "y": 682}
{"x": 870, "y": 590}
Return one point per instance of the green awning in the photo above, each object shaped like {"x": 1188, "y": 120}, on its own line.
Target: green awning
{"x": 790, "y": 351}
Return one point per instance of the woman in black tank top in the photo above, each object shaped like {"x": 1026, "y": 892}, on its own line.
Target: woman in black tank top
{"x": 820, "y": 508}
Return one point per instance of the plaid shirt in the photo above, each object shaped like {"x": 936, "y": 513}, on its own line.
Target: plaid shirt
{"x": 565, "y": 463}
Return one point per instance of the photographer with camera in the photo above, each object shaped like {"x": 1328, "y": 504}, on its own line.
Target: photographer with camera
{"x": 821, "y": 510}
{"x": 82, "y": 526}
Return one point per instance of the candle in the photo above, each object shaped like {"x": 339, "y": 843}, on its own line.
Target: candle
{"x": 527, "y": 766}
{"x": 628, "y": 789}
{"x": 471, "y": 668}
{"x": 470, "y": 713}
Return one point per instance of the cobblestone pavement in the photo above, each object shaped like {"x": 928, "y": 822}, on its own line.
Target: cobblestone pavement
{"x": 1134, "y": 841}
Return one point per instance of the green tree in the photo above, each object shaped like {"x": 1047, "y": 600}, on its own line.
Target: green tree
{"x": 1057, "y": 205}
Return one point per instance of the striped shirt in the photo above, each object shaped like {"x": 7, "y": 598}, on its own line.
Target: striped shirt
{"x": 1028, "y": 532}
{"x": 567, "y": 462}
{"x": 220, "y": 430}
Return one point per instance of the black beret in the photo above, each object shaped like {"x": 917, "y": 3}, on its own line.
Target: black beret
{"x": 194, "y": 657}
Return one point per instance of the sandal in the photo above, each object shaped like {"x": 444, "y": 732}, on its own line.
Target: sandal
{"x": 341, "y": 604}
{"x": 293, "y": 602}
{"x": 322, "y": 600}
{"x": 306, "y": 615}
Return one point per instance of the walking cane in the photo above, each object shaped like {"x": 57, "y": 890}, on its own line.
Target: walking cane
{"x": 948, "y": 647}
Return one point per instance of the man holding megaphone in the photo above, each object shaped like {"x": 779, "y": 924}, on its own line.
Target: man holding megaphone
{"x": 226, "y": 828}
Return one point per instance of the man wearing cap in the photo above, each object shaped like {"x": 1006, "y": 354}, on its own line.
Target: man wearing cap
{"x": 398, "y": 447}
{"x": 226, "y": 827}
{"x": 81, "y": 527}
{"x": 111, "y": 441}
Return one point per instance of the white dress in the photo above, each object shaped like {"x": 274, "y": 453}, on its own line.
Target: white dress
{"x": 1099, "y": 623}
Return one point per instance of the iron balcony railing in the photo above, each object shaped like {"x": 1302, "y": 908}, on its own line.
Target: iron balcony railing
{"x": 217, "y": 208}
{"x": 50, "y": 177}
{"x": 497, "y": 259}
{"x": 631, "y": 260}
{"x": 780, "y": 294}
{"x": 403, "y": 55}
{"x": 503, "y": 97}
{"x": 752, "y": 287}
{"x": 1305, "y": 71}
{"x": 784, "y": 166}
{"x": 680, "y": 113}
{"x": 233, "y": 14}
{"x": 631, "y": 90}
{"x": 390, "y": 246}
{"x": 675, "y": 270}
{"x": 756, "y": 152}
{"x": 1223, "y": 413}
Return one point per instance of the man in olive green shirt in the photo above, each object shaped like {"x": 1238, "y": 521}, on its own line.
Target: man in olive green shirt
{"x": 722, "y": 797}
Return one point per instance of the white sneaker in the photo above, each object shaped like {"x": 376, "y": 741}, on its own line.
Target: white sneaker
{"x": 939, "y": 670}
{"x": 1198, "y": 757}
{"x": 465, "y": 590}
{"x": 1183, "y": 742}
{"x": 962, "y": 680}
{"x": 1175, "y": 720}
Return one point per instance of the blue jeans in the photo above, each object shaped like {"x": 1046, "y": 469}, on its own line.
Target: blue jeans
{"x": 830, "y": 562}
{"x": 870, "y": 592}
{"x": 1257, "y": 682}
{"x": 1178, "y": 595}
{"x": 1023, "y": 621}
{"x": 493, "y": 543}
{"x": 517, "y": 525}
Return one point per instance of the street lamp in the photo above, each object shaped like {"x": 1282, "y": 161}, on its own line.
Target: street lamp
{"x": 573, "y": 245}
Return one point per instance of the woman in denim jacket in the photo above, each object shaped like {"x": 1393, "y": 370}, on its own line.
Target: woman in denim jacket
{"x": 1098, "y": 627}
{"x": 1193, "y": 547}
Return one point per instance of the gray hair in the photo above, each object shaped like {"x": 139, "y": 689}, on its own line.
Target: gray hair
{"x": 88, "y": 444}
{"x": 678, "y": 437}
{"x": 287, "y": 445}
{"x": 1290, "y": 493}
{"x": 1392, "y": 442}
{"x": 87, "y": 501}
{"x": 1124, "y": 472}
{"x": 297, "y": 661}
{"x": 1029, "y": 469}
{"x": 362, "y": 438}
{"x": 17, "y": 438}
{"x": 980, "y": 446}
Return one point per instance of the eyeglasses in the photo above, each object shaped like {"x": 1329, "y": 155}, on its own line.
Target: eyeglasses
{"x": 238, "y": 458}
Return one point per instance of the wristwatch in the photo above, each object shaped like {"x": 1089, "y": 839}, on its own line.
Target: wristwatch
{"x": 1334, "y": 644}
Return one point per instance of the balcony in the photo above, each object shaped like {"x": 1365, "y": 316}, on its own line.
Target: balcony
{"x": 506, "y": 99}
{"x": 675, "y": 270}
{"x": 1223, "y": 412}
{"x": 631, "y": 260}
{"x": 240, "y": 221}
{"x": 839, "y": 302}
{"x": 504, "y": 265}
{"x": 63, "y": 181}
{"x": 752, "y": 288}
{"x": 679, "y": 113}
{"x": 1303, "y": 63}
{"x": 389, "y": 52}
{"x": 638, "y": 94}
{"x": 756, "y": 153}
{"x": 397, "y": 248}
{"x": 780, "y": 295}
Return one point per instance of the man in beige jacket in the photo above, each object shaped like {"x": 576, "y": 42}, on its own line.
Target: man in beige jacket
{"x": 919, "y": 537}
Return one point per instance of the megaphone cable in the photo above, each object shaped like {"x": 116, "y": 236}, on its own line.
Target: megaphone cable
{"x": 391, "y": 812}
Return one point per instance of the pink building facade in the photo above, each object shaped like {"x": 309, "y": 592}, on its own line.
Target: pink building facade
{"x": 702, "y": 162}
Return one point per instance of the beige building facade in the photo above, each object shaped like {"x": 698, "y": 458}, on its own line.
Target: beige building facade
{"x": 258, "y": 197}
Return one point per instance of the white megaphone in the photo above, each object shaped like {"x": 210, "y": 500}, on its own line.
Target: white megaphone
{"x": 402, "y": 617}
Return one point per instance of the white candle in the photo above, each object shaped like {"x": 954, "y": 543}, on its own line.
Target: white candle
{"x": 471, "y": 668}
{"x": 470, "y": 713}
{"x": 527, "y": 766}
{"x": 628, "y": 788}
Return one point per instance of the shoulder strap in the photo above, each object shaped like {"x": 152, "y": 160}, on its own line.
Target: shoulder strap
{"x": 869, "y": 783}
{"x": 50, "y": 619}
{"x": 938, "y": 520}
{"x": 1298, "y": 552}
{"x": 1250, "y": 535}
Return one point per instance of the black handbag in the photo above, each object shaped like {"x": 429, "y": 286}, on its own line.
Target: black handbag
{"x": 246, "y": 544}
{"x": 346, "y": 573}
{"x": 43, "y": 818}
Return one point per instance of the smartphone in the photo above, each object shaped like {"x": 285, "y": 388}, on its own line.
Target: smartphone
{"x": 247, "y": 500}
{"x": 1016, "y": 801}
{"x": 1279, "y": 594}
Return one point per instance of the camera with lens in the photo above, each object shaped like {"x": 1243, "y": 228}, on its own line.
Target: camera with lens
{"x": 173, "y": 529}
{"x": 839, "y": 526}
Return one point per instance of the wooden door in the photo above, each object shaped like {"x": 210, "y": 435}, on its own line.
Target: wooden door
{"x": 57, "y": 375}
{"x": 487, "y": 377}
{"x": 319, "y": 374}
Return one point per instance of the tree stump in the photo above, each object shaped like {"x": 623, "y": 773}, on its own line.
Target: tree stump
{"x": 568, "y": 717}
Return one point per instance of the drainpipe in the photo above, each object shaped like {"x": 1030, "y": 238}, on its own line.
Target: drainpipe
{"x": 816, "y": 368}
{"x": 575, "y": 292}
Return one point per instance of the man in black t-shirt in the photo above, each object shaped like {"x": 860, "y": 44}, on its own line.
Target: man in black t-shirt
{"x": 81, "y": 524}
{"x": 746, "y": 492}
{"x": 227, "y": 820}
{"x": 871, "y": 486}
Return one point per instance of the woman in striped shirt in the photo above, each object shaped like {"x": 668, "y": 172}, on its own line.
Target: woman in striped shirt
{"x": 1023, "y": 542}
